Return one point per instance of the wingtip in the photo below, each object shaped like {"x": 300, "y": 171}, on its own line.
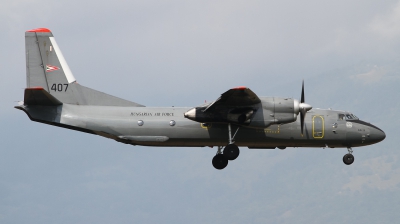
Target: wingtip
{"x": 39, "y": 30}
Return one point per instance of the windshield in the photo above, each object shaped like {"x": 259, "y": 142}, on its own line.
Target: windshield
{"x": 347, "y": 117}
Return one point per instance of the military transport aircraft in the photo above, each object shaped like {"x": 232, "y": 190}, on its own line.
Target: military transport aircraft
{"x": 237, "y": 118}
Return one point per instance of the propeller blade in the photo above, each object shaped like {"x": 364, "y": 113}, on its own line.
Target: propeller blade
{"x": 302, "y": 93}
{"x": 302, "y": 121}
{"x": 303, "y": 108}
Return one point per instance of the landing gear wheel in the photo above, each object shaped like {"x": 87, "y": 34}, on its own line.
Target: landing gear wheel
{"x": 219, "y": 162}
{"x": 231, "y": 152}
{"x": 348, "y": 159}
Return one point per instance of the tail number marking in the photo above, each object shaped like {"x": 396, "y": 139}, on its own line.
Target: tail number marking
{"x": 59, "y": 87}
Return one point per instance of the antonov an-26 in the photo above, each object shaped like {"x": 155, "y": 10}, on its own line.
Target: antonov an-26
{"x": 237, "y": 118}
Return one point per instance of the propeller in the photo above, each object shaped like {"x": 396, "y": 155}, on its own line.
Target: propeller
{"x": 303, "y": 108}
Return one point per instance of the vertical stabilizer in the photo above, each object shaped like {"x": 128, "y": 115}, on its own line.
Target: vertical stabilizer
{"x": 46, "y": 67}
{"x": 35, "y": 72}
{"x": 45, "y": 63}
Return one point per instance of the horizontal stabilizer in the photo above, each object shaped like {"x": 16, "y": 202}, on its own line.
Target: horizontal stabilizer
{"x": 39, "y": 96}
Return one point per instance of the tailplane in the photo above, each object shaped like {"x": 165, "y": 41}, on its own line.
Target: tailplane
{"x": 47, "y": 68}
{"x": 39, "y": 96}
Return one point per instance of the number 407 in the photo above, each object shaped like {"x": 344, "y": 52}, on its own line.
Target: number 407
{"x": 59, "y": 87}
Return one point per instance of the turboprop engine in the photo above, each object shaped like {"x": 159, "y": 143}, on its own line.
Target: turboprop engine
{"x": 275, "y": 110}
{"x": 281, "y": 111}
{"x": 265, "y": 112}
{"x": 271, "y": 110}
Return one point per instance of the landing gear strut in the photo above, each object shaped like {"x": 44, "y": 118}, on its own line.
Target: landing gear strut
{"x": 231, "y": 152}
{"x": 348, "y": 159}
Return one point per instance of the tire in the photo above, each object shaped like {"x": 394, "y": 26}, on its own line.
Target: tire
{"x": 219, "y": 162}
{"x": 348, "y": 159}
{"x": 231, "y": 151}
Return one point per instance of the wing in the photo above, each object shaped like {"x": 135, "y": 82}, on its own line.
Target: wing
{"x": 236, "y": 105}
{"x": 237, "y": 97}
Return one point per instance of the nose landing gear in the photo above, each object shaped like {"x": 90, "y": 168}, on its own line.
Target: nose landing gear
{"x": 348, "y": 159}
{"x": 231, "y": 152}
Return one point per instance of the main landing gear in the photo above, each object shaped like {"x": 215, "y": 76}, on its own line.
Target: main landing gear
{"x": 348, "y": 159}
{"x": 230, "y": 152}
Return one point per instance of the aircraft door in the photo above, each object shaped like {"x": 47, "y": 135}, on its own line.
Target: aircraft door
{"x": 318, "y": 126}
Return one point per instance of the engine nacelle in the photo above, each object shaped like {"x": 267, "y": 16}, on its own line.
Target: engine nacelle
{"x": 275, "y": 110}
{"x": 271, "y": 110}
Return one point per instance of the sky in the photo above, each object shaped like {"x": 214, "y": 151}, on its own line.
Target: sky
{"x": 182, "y": 53}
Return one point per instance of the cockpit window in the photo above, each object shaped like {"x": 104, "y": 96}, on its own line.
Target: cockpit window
{"x": 355, "y": 117}
{"x": 347, "y": 117}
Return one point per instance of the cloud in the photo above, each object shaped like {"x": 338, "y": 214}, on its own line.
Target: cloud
{"x": 381, "y": 176}
{"x": 387, "y": 25}
{"x": 374, "y": 75}
{"x": 370, "y": 35}
{"x": 17, "y": 14}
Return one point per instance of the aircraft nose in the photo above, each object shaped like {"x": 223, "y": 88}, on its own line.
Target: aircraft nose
{"x": 377, "y": 135}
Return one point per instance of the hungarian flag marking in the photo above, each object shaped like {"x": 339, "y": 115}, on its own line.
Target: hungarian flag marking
{"x": 50, "y": 68}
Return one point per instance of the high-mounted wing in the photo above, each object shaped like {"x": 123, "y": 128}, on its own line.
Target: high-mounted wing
{"x": 236, "y": 105}
{"x": 237, "y": 97}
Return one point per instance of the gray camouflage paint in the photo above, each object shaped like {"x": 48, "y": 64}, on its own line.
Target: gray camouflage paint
{"x": 120, "y": 123}
{"x": 94, "y": 112}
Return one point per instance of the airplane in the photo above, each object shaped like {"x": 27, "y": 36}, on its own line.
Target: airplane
{"x": 238, "y": 117}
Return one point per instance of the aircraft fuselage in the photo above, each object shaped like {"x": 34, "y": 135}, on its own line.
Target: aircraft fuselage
{"x": 167, "y": 126}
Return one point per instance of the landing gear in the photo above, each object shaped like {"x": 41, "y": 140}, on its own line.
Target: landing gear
{"x": 219, "y": 161}
{"x": 348, "y": 159}
{"x": 231, "y": 152}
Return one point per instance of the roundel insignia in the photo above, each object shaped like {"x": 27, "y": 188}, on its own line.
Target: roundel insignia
{"x": 50, "y": 68}
{"x": 349, "y": 124}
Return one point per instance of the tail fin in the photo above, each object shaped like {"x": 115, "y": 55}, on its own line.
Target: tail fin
{"x": 46, "y": 67}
